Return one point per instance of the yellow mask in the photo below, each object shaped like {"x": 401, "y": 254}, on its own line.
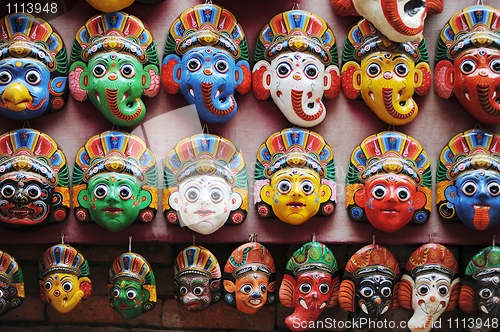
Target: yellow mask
{"x": 63, "y": 291}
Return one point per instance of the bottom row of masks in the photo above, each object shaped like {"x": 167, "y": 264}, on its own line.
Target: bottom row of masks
{"x": 371, "y": 285}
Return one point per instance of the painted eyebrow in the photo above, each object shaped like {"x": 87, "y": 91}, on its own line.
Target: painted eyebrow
{"x": 308, "y": 278}
{"x": 397, "y": 57}
{"x": 9, "y": 65}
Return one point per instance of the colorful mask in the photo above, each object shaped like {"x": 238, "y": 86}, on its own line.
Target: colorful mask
{"x": 400, "y": 20}
{"x": 468, "y": 179}
{"x": 197, "y": 278}
{"x": 132, "y": 285}
{"x": 291, "y": 62}
{"x": 310, "y": 284}
{"x": 33, "y": 67}
{"x": 430, "y": 285}
{"x": 480, "y": 293}
{"x": 113, "y": 63}
{"x": 206, "y": 58}
{"x": 63, "y": 277}
{"x": 389, "y": 182}
{"x": 206, "y": 184}
{"x": 371, "y": 280}
{"x": 249, "y": 278}
{"x": 11, "y": 284}
{"x": 295, "y": 176}
{"x": 34, "y": 180}
{"x": 386, "y": 74}
{"x": 114, "y": 181}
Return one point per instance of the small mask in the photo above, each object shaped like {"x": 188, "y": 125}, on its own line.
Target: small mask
{"x": 310, "y": 284}
{"x": 113, "y": 63}
{"x": 33, "y": 68}
{"x": 370, "y": 285}
{"x": 132, "y": 285}
{"x": 249, "y": 278}
{"x": 197, "y": 278}
{"x": 480, "y": 293}
{"x": 468, "y": 180}
{"x": 468, "y": 62}
{"x": 295, "y": 176}
{"x": 430, "y": 285}
{"x": 63, "y": 277}
{"x": 386, "y": 74}
{"x": 34, "y": 180}
{"x": 206, "y": 58}
{"x": 291, "y": 62}
{"x": 389, "y": 182}
{"x": 11, "y": 284}
{"x": 206, "y": 184}
{"x": 400, "y": 20}
{"x": 114, "y": 181}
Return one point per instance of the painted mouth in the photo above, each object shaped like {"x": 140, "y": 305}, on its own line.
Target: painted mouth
{"x": 112, "y": 210}
{"x": 389, "y": 211}
{"x": 123, "y": 306}
{"x": 295, "y": 205}
{"x": 21, "y": 212}
{"x": 255, "y": 301}
{"x": 204, "y": 213}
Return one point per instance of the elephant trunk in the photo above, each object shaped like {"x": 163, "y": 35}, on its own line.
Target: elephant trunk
{"x": 112, "y": 99}
{"x": 298, "y": 109}
{"x": 206, "y": 91}
{"x": 389, "y": 105}
{"x": 484, "y": 100}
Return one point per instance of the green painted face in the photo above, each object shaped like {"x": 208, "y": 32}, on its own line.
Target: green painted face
{"x": 128, "y": 297}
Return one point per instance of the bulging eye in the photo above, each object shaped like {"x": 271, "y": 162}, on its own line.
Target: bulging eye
{"x": 494, "y": 65}
{"x": 485, "y": 293}
{"x": 403, "y": 194}
{"x": 324, "y": 288}
{"x": 33, "y": 191}
{"x": 443, "y": 290}
{"x": 127, "y": 70}
{"x": 116, "y": 292}
{"x": 192, "y": 194}
{"x": 33, "y": 77}
{"x": 305, "y": 288}
{"x": 101, "y": 191}
{"x": 8, "y": 191}
{"x": 386, "y": 291}
{"x": 307, "y": 187}
{"x": 469, "y": 188}
{"x": 183, "y": 290}
{"x": 99, "y": 70}
{"x": 222, "y": 66}
{"x": 263, "y": 288}
{"x": 198, "y": 291}
{"x": 373, "y": 70}
{"x": 216, "y": 195}
{"x": 284, "y": 187}
{"x": 379, "y": 191}
{"x": 48, "y": 285}
{"x": 283, "y": 69}
{"x": 125, "y": 192}
{"x": 401, "y": 69}
{"x": 5, "y": 77}
{"x": 131, "y": 294}
{"x": 423, "y": 290}
{"x": 494, "y": 188}
{"x": 311, "y": 71}
{"x": 194, "y": 64}
{"x": 468, "y": 66}
{"x": 67, "y": 286}
{"x": 246, "y": 289}
{"x": 367, "y": 291}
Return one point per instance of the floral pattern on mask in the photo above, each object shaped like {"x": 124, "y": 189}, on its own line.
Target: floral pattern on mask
{"x": 11, "y": 283}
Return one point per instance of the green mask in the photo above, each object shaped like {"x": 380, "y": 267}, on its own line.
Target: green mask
{"x": 128, "y": 297}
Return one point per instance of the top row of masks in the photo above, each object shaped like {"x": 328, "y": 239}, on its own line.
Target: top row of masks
{"x": 114, "y": 62}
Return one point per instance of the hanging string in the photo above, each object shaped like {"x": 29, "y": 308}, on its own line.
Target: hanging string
{"x": 208, "y": 2}
{"x": 477, "y": 126}
{"x": 480, "y": 2}
{"x": 373, "y": 239}
{"x": 130, "y": 243}
{"x": 26, "y": 124}
{"x": 493, "y": 239}
{"x": 391, "y": 128}
{"x": 62, "y": 238}
{"x": 431, "y": 238}
{"x": 253, "y": 237}
{"x": 194, "y": 239}
{"x": 313, "y": 237}
{"x": 296, "y": 6}
{"x": 204, "y": 130}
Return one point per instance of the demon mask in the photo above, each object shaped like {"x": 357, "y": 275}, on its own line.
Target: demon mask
{"x": 11, "y": 283}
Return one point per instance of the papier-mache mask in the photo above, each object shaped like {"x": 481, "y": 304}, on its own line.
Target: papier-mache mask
{"x": 249, "y": 278}
{"x": 34, "y": 180}
{"x": 430, "y": 285}
{"x": 310, "y": 284}
{"x": 206, "y": 184}
{"x": 296, "y": 62}
{"x": 11, "y": 283}
{"x": 113, "y": 63}
{"x": 400, "y": 20}
{"x": 197, "y": 278}
{"x": 114, "y": 181}
{"x": 389, "y": 182}
{"x": 206, "y": 59}
{"x": 468, "y": 179}
{"x": 131, "y": 285}
{"x": 370, "y": 285}
{"x": 33, "y": 67}
{"x": 386, "y": 74}
{"x": 64, "y": 277}
{"x": 480, "y": 293}
{"x": 295, "y": 176}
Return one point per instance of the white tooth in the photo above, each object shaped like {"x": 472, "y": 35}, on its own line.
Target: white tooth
{"x": 322, "y": 305}
{"x": 98, "y": 99}
{"x": 373, "y": 97}
{"x": 494, "y": 95}
{"x": 303, "y": 303}
{"x": 483, "y": 308}
{"x": 217, "y": 93}
{"x": 363, "y": 307}
{"x": 191, "y": 92}
{"x": 399, "y": 96}
{"x": 123, "y": 98}
{"x": 385, "y": 310}
{"x": 467, "y": 96}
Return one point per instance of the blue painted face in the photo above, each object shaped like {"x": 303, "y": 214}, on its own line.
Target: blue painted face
{"x": 476, "y": 196}
{"x": 208, "y": 80}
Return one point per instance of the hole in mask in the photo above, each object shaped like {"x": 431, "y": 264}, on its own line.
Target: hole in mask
{"x": 130, "y": 104}
{"x": 223, "y": 99}
{"x": 310, "y": 105}
{"x": 413, "y": 7}
{"x": 402, "y": 103}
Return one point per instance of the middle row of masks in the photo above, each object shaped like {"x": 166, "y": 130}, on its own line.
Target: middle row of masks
{"x": 114, "y": 62}
{"x": 205, "y": 183}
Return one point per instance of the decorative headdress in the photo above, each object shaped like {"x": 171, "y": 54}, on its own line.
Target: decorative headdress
{"x": 63, "y": 258}
{"x": 383, "y": 153}
{"x": 432, "y": 257}
{"x": 312, "y": 256}
{"x": 370, "y": 259}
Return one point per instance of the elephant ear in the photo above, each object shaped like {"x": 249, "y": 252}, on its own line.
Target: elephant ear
{"x": 344, "y": 7}
{"x": 426, "y": 84}
{"x": 334, "y": 89}
{"x": 351, "y": 80}
{"x": 86, "y": 287}
{"x": 435, "y": 6}
{"x": 43, "y": 295}
{"x": 334, "y": 299}
{"x": 74, "y": 83}
{"x": 167, "y": 74}
{"x": 287, "y": 290}
{"x": 246, "y": 82}
{"x": 405, "y": 292}
{"x": 444, "y": 79}
{"x": 259, "y": 88}
{"x": 466, "y": 300}
{"x": 395, "y": 304}
{"x": 454, "y": 295}
{"x": 346, "y": 295}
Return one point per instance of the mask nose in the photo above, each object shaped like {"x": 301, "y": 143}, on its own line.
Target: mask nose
{"x": 297, "y": 76}
{"x": 256, "y": 295}
{"x": 208, "y": 71}
{"x": 483, "y": 72}
{"x": 496, "y": 301}
{"x": 57, "y": 293}
{"x": 113, "y": 76}
{"x": 387, "y": 75}
{"x": 20, "y": 198}
{"x": 378, "y": 300}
